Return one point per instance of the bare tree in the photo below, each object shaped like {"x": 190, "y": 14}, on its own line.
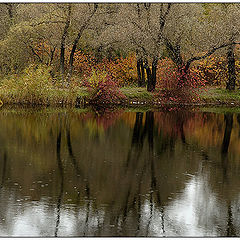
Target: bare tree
{"x": 63, "y": 40}
{"x": 83, "y": 27}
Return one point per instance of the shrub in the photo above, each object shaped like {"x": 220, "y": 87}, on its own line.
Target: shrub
{"x": 174, "y": 85}
{"x": 102, "y": 89}
{"x": 213, "y": 70}
{"x": 35, "y": 86}
{"x": 32, "y": 86}
{"x": 122, "y": 70}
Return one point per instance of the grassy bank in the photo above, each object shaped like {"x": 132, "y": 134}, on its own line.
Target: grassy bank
{"x": 134, "y": 96}
{"x": 208, "y": 96}
{"x": 64, "y": 96}
{"x": 35, "y": 86}
{"x": 220, "y": 96}
{"x": 53, "y": 97}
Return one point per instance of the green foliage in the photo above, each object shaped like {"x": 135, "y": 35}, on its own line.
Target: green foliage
{"x": 35, "y": 86}
{"x": 32, "y": 86}
{"x": 15, "y": 52}
{"x": 96, "y": 78}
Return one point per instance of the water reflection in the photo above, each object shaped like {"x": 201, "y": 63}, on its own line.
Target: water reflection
{"x": 60, "y": 168}
{"x": 75, "y": 173}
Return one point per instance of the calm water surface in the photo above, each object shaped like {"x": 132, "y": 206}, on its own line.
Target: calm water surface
{"x": 121, "y": 173}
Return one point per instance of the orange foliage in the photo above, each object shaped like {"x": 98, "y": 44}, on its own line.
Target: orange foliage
{"x": 122, "y": 70}
{"x": 214, "y": 70}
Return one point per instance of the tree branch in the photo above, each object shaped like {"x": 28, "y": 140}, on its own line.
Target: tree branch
{"x": 34, "y": 53}
{"x": 162, "y": 20}
{"x": 210, "y": 52}
{"x": 163, "y": 17}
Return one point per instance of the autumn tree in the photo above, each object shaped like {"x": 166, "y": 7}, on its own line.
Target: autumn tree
{"x": 202, "y": 35}
{"x": 139, "y": 28}
{"x": 224, "y": 18}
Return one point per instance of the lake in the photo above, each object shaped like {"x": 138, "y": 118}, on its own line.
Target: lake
{"x": 80, "y": 172}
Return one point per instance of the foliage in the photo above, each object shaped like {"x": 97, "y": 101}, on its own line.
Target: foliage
{"x": 175, "y": 85}
{"x": 44, "y": 53}
{"x": 14, "y": 55}
{"x": 40, "y": 34}
{"x": 35, "y": 86}
{"x": 214, "y": 71}
{"x": 83, "y": 64}
{"x": 121, "y": 70}
{"x": 102, "y": 89}
{"x": 30, "y": 87}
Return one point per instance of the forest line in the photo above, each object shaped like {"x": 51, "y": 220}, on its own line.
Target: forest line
{"x": 171, "y": 49}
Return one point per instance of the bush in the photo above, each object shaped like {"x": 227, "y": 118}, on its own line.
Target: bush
{"x": 174, "y": 85}
{"x": 35, "y": 86}
{"x": 121, "y": 70}
{"x": 32, "y": 86}
{"x": 102, "y": 89}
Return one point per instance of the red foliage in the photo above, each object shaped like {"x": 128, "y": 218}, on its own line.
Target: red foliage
{"x": 103, "y": 117}
{"x": 173, "y": 123}
{"x": 103, "y": 89}
{"x": 108, "y": 118}
{"x": 175, "y": 85}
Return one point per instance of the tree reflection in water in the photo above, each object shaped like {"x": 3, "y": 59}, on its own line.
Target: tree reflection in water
{"x": 148, "y": 174}
{"x": 3, "y": 168}
{"x": 61, "y": 174}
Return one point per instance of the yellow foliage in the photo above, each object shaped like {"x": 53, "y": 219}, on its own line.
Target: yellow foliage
{"x": 214, "y": 70}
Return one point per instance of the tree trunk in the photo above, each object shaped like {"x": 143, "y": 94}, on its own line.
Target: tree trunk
{"x": 231, "y": 69}
{"x": 149, "y": 77}
{"x": 141, "y": 73}
{"x": 154, "y": 72}
{"x": 52, "y": 51}
{"x": 71, "y": 58}
{"x": 10, "y": 12}
{"x": 227, "y": 133}
{"x": 151, "y": 74}
{"x": 80, "y": 32}
{"x": 110, "y": 53}
{"x": 99, "y": 53}
{"x": 65, "y": 32}
{"x": 174, "y": 53}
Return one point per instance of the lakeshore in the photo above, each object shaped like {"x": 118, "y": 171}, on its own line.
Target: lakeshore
{"x": 135, "y": 96}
